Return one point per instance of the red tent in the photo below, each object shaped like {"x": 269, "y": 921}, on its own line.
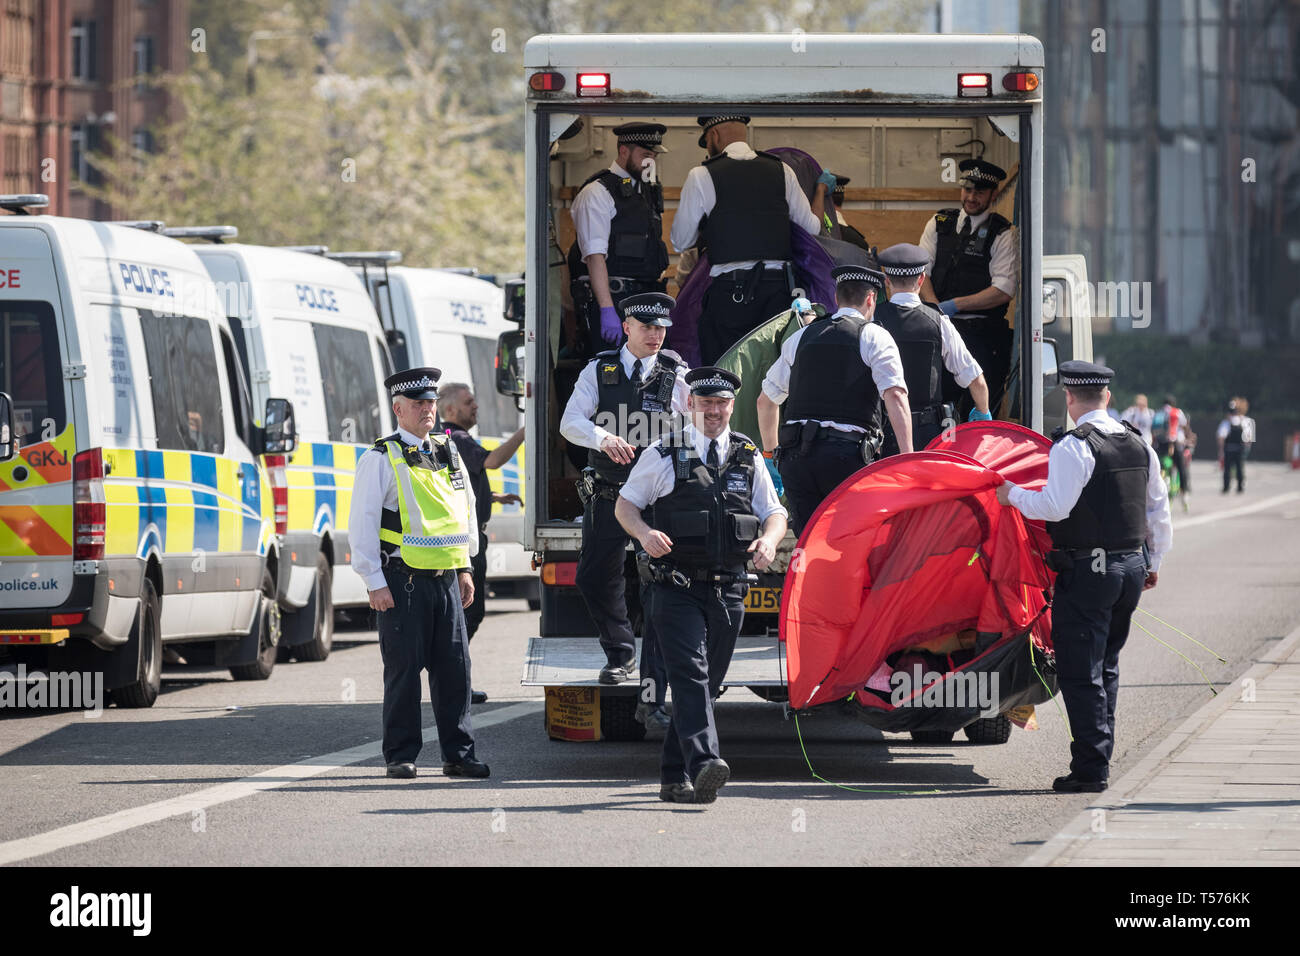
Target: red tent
{"x": 911, "y": 548}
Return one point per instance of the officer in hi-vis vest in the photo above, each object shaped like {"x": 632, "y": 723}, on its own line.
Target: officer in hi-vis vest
{"x": 410, "y": 530}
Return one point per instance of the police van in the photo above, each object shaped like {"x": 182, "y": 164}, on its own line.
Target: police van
{"x": 133, "y": 511}
{"x": 306, "y": 329}
{"x": 451, "y": 319}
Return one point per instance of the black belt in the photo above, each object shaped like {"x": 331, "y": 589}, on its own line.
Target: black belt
{"x": 930, "y": 415}
{"x": 664, "y": 572}
{"x": 1079, "y": 554}
{"x": 391, "y": 562}
{"x": 621, "y": 284}
{"x": 791, "y": 433}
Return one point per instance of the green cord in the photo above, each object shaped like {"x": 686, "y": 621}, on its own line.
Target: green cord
{"x": 1221, "y": 658}
{"x": 1184, "y": 657}
{"x": 841, "y": 786}
{"x": 1034, "y": 664}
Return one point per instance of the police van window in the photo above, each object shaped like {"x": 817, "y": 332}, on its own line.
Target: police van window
{"x": 241, "y": 404}
{"x": 497, "y": 414}
{"x": 185, "y": 385}
{"x": 1057, "y": 317}
{"x": 348, "y": 380}
{"x": 241, "y": 344}
{"x": 31, "y": 371}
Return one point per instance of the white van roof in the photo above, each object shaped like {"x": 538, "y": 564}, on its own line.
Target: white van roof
{"x": 134, "y": 267}
{"x": 287, "y": 284}
{"x": 423, "y": 287}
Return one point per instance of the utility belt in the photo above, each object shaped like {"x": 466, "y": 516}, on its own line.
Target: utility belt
{"x": 392, "y": 563}
{"x": 657, "y": 571}
{"x": 591, "y": 485}
{"x": 621, "y": 285}
{"x": 801, "y": 435}
{"x": 934, "y": 414}
{"x": 745, "y": 282}
{"x": 1062, "y": 559}
{"x": 983, "y": 324}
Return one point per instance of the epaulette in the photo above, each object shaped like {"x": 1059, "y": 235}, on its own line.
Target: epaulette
{"x": 380, "y": 443}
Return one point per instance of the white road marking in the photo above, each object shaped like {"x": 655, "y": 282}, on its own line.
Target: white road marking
{"x": 74, "y": 834}
{"x": 1237, "y": 512}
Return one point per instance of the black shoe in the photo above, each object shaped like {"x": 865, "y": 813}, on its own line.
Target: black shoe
{"x": 677, "y": 793}
{"x": 403, "y": 771}
{"x": 710, "y": 779}
{"x": 469, "y": 767}
{"x": 1073, "y": 784}
{"x": 477, "y": 697}
{"x": 617, "y": 673}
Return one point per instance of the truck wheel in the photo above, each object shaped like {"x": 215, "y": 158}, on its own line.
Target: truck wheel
{"x": 267, "y": 623}
{"x": 989, "y": 730}
{"x": 145, "y": 643}
{"x": 777, "y": 695}
{"x": 617, "y": 718}
{"x": 932, "y": 736}
{"x": 309, "y": 631}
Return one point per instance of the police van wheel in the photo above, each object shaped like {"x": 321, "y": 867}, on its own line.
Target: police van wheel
{"x": 932, "y": 736}
{"x": 267, "y": 623}
{"x": 618, "y": 718}
{"x": 145, "y": 643}
{"x": 318, "y": 614}
{"x": 776, "y": 695}
{"x": 989, "y": 730}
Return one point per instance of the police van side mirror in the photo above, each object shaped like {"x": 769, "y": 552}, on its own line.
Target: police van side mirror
{"x": 279, "y": 433}
{"x": 510, "y": 352}
{"x": 396, "y": 340}
{"x": 8, "y": 428}
{"x": 1051, "y": 371}
{"x": 514, "y": 300}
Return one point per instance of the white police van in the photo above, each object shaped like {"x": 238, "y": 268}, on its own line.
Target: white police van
{"x": 450, "y": 319}
{"x": 306, "y": 329}
{"x": 133, "y": 511}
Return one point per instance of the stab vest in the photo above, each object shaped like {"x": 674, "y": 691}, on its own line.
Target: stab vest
{"x": 828, "y": 379}
{"x": 431, "y": 529}
{"x": 636, "y": 244}
{"x": 750, "y": 219}
{"x": 708, "y": 516}
{"x": 963, "y": 269}
{"x": 1111, "y": 510}
{"x": 917, "y": 332}
{"x": 638, "y": 416}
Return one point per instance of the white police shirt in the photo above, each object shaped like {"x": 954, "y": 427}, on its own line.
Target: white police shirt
{"x": 576, "y": 423}
{"x": 652, "y": 476}
{"x": 1070, "y": 465}
{"x": 879, "y": 353}
{"x": 593, "y": 213}
{"x": 374, "y": 488}
{"x": 698, "y": 197}
{"x": 1004, "y": 257}
{"x": 956, "y": 357}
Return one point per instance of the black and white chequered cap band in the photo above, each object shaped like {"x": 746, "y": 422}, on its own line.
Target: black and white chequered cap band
{"x": 647, "y": 308}
{"x": 716, "y": 381}
{"x": 415, "y": 384}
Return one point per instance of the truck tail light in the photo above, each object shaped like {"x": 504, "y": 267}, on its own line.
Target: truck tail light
{"x": 547, "y": 82}
{"x": 974, "y": 84}
{"x": 1020, "y": 82}
{"x": 275, "y": 473}
{"x": 593, "y": 84}
{"x": 560, "y": 573}
{"x": 88, "y": 510}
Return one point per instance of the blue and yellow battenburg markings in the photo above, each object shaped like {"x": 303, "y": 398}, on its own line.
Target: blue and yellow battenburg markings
{"x": 509, "y": 478}
{"x": 320, "y": 476}
{"x": 182, "y": 501}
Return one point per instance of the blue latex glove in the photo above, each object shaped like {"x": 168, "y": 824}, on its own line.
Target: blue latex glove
{"x": 977, "y": 416}
{"x": 828, "y": 179}
{"x": 948, "y": 307}
{"x": 611, "y": 329}
{"x": 776, "y": 475}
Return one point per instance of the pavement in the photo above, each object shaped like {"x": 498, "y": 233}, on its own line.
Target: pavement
{"x": 1223, "y": 789}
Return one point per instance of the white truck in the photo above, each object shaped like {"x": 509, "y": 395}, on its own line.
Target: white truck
{"x": 894, "y": 113}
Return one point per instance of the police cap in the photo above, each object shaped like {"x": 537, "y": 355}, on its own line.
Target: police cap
{"x": 904, "y": 259}
{"x": 708, "y": 122}
{"x": 980, "y": 174}
{"x": 714, "y": 381}
{"x": 859, "y": 274}
{"x": 1077, "y": 372}
{"x": 416, "y": 383}
{"x": 645, "y": 135}
{"x": 649, "y": 308}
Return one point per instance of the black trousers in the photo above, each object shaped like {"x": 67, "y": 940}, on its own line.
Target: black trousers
{"x": 1234, "y": 459}
{"x": 478, "y": 607}
{"x": 1091, "y": 611}
{"x": 1174, "y": 451}
{"x": 989, "y": 342}
{"x": 425, "y": 630}
{"x": 602, "y": 579}
{"x": 922, "y": 435}
{"x": 810, "y": 478}
{"x": 697, "y": 632}
{"x": 723, "y": 320}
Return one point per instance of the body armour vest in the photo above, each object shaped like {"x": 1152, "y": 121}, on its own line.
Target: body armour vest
{"x": 639, "y": 416}
{"x": 750, "y": 219}
{"x": 708, "y": 514}
{"x": 430, "y": 530}
{"x": 636, "y": 243}
{"x": 1111, "y": 510}
{"x": 962, "y": 268}
{"x": 916, "y": 331}
{"x": 828, "y": 379}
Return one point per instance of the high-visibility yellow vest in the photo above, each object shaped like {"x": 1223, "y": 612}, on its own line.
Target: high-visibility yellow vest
{"x": 435, "y": 514}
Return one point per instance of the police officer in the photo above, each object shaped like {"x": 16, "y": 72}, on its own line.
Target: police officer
{"x": 618, "y": 218}
{"x": 974, "y": 263}
{"x": 1105, "y": 505}
{"x": 624, "y": 399}
{"x": 928, "y": 344}
{"x": 740, "y": 204}
{"x": 410, "y": 529}
{"x": 833, "y": 372}
{"x": 712, "y": 507}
